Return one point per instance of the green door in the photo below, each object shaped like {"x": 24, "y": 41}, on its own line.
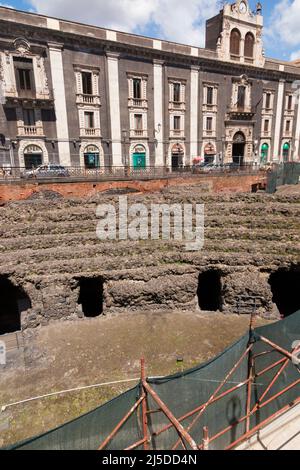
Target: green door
{"x": 139, "y": 161}
{"x": 91, "y": 160}
{"x": 264, "y": 153}
{"x": 286, "y": 152}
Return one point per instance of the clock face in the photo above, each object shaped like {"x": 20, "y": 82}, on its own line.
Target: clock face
{"x": 243, "y": 7}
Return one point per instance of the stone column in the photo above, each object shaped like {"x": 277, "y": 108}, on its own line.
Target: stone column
{"x": 114, "y": 104}
{"x": 158, "y": 111}
{"x": 194, "y": 113}
{"x": 58, "y": 81}
{"x": 278, "y": 121}
{"x": 297, "y": 132}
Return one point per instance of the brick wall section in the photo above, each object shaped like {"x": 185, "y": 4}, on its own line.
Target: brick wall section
{"x": 219, "y": 184}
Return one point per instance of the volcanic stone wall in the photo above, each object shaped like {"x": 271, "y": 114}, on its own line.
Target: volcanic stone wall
{"x": 49, "y": 247}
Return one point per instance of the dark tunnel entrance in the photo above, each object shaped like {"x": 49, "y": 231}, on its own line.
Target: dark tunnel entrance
{"x": 91, "y": 296}
{"x": 210, "y": 291}
{"x": 13, "y": 301}
{"x": 285, "y": 288}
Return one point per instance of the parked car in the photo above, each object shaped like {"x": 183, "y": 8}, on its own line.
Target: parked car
{"x": 46, "y": 171}
{"x": 208, "y": 168}
{"x": 198, "y": 167}
{"x": 232, "y": 167}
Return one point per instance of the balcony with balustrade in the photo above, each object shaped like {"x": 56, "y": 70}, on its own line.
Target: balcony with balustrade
{"x": 287, "y": 134}
{"x": 209, "y": 108}
{"x": 266, "y": 134}
{"x": 30, "y": 131}
{"x": 90, "y": 132}
{"x": 209, "y": 133}
{"x": 137, "y": 103}
{"x": 177, "y": 133}
{"x": 240, "y": 113}
{"x": 177, "y": 106}
{"x": 90, "y": 100}
{"x": 141, "y": 133}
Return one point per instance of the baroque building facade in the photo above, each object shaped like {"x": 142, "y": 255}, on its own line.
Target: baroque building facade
{"x": 85, "y": 96}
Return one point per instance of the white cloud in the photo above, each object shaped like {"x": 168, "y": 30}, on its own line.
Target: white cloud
{"x": 284, "y": 26}
{"x": 176, "y": 20}
{"x": 295, "y": 55}
{"x": 7, "y": 6}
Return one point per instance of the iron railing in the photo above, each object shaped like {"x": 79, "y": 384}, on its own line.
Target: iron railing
{"x": 113, "y": 172}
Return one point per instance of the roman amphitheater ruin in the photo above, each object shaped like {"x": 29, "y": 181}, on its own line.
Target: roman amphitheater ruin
{"x": 53, "y": 267}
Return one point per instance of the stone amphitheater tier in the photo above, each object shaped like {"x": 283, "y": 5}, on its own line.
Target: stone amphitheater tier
{"x": 47, "y": 246}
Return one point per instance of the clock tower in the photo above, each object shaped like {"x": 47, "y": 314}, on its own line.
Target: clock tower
{"x": 236, "y": 34}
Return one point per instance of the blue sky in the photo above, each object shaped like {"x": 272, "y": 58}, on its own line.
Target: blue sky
{"x": 176, "y": 20}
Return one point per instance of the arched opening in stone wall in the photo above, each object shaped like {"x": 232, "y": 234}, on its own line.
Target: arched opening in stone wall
{"x": 13, "y": 301}
{"x": 239, "y": 144}
{"x": 91, "y": 296}
{"x": 210, "y": 291}
{"x": 285, "y": 288}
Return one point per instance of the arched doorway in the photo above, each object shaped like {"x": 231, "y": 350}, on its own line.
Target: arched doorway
{"x": 209, "y": 153}
{"x": 13, "y": 301}
{"x": 91, "y": 157}
{"x": 139, "y": 157}
{"x": 286, "y": 152}
{"x": 238, "y": 148}
{"x": 33, "y": 156}
{"x": 264, "y": 155}
{"x": 177, "y": 157}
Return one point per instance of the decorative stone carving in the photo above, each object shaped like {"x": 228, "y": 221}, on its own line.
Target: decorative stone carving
{"x": 22, "y": 46}
{"x": 41, "y": 80}
{"x": 36, "y": 143}
{"x": 227, "y": 25}
{"x": 86, "y": 146}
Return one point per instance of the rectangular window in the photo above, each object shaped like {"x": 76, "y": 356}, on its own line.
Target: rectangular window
{"x": 24, "y": 79}
{"x": 266, "y": 125}
{"x": 241, "y": 97}
{"x": 290, "y": 102}
{"x": 288, "y": 126}
{"x": 137, "y": 88}
{"x": 29, "y": 117}
{"x": 209, "y": 122}
{"x": 138, "y": 122}
{"x": 87, "y": 84}
{"x": 89, "y": 120}
{"x": 268, "y": 100}
{"x": 210, "y": 95}
{"x": 177, "y": 123}
{"x": 176, "y": 93}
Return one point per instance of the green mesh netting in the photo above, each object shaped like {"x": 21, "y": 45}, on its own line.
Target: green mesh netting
{"x": 287, "y": 173}
{"x": 184, "y": 392}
